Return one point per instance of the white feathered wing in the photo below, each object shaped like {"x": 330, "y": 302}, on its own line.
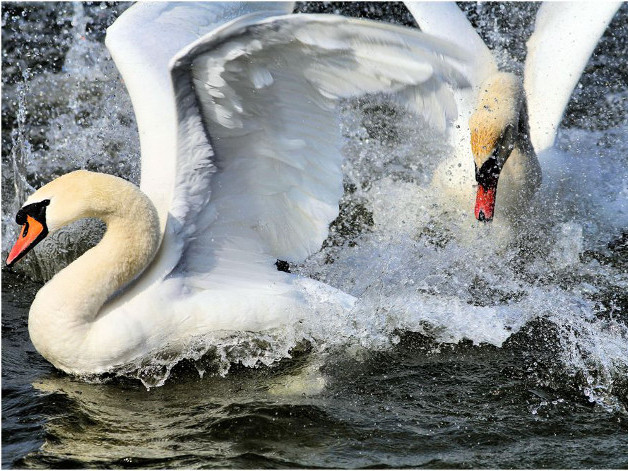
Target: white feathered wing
{"x": 565, "y": 35}
{"x": 256, "y": 171}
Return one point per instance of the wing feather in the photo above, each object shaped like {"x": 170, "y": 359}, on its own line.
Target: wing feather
{"x": 142, "y": 42}
{"x": 445, "y": 20}
{"x": 262, "y": 93}
{"x": 565, "y": 35}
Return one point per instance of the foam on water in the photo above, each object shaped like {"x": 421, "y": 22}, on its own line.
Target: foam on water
{"x": 415, "y": 261}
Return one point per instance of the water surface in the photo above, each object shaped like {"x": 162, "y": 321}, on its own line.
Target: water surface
{"x": 418, "y": 404}
{"x": 470, "y": 346}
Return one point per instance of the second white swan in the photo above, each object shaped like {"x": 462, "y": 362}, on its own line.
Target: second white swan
{"x": 507, "y": 126}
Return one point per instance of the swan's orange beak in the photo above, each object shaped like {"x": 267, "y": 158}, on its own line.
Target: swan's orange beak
{"x": 484, "y": 146}
{"x": 31, "y": 234}
{"x": 485, "y": 203}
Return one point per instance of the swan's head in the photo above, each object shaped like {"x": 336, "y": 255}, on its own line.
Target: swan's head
{"x": 493, "y": 127}
{"x": 32, "y": 218}
{"x": 71, "y": 197}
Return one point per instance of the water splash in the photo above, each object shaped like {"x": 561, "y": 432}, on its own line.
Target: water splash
{"x": 77, "y": 117}
{"x": 19, "y": 156}
{"x": 416, "y": 262}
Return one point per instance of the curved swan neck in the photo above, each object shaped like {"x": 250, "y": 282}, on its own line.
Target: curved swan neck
{"x": 99, "y": 273}
{"x": 65, "y": 308}
{"x": 524, "y": 143}
{"x": 523, "y": 165}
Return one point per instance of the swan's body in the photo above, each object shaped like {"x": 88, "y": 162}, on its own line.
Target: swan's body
{"x": 511, "y": 125}
{"x": 241, "y": 166}
{"x": 68, "y": 323}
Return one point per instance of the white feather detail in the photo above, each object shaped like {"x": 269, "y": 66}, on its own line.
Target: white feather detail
{"x": 565, "y": 35}
{"x": 142, "y": 42}
{"x": 266, "y": 89}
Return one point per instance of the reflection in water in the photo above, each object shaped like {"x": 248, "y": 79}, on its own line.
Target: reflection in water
{"x": 124, "y": 422}
{"x": 420, "y": 403}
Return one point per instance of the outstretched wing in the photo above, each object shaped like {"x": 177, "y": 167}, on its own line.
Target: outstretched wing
{"x": 565, "y": 35}
{"x": 142, "y": 42}
{"x": 259, "y": 165}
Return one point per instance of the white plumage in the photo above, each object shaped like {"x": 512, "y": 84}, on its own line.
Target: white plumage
{"x": 564, "y": 38}
{"x": 241, "y": 159}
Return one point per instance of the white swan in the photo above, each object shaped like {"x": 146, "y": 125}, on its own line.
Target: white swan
{"x": 508, "y": 125}
{"x": 240, "y": 167}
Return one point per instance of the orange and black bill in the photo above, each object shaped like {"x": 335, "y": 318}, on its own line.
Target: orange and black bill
{"x": 487, "y": 177}
{"x": 485, "y": 203}
{"x": 33, "y": 221}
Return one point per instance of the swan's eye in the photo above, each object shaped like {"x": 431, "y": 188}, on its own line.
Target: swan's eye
{"x": 36, "y": 210}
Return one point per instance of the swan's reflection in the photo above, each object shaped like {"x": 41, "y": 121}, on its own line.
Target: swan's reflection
{"x": 215, "y": 417}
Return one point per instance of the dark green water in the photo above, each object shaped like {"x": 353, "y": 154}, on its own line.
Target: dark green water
{"x": 417, "y": 405}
